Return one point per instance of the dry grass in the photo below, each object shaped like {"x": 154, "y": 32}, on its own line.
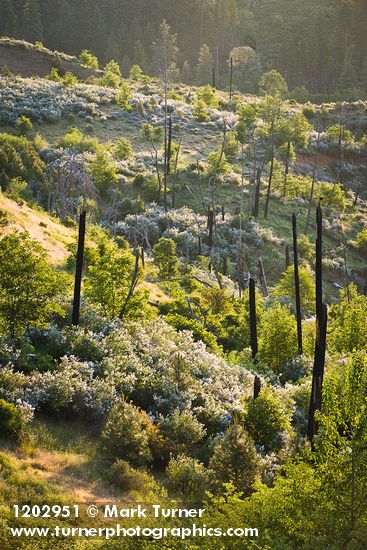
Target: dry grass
{"x": 52, "y": 235}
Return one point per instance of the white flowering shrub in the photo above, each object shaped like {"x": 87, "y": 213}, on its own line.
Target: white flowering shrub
{"x": 185, "y": 227}
{"x": 45, "y": 100}
{"x": 156, "y": 367}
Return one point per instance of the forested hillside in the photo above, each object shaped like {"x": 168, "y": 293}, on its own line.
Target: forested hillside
{"x": 183, "y": 278}
{"x": 318, "y": 44}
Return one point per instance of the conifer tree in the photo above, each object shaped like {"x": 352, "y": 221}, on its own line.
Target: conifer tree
{"x": 32, "y": 22}
{"x": 205, "y": 65}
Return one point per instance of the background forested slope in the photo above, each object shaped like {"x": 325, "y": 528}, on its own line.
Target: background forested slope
{"x": 318, "y": 44}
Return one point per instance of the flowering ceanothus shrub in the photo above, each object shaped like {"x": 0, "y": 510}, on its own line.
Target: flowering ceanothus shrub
{"x": 41, "y": 99}
{"x": 152, "y": 365}
{"x": 185, "y": 227}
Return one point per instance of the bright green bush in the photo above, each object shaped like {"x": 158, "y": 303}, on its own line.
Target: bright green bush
{"x": 187, "y": 477}
{"x": 361, "y": 241}
{"x": 24, "y": 125}
{"x": 267, "y": 419}
{"x": 126, "y": 434}
{"x": 10, "y": 419}
{"x": 88, "y": 59}
{"x": 182, "y": 431}
{"x": 278, "y": 337}
{"x": 234, "y": 460}
{"x": 122, "y": 149}
{"x": 165, "y": 258}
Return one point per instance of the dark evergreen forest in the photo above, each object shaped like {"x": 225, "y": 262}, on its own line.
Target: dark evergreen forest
{"x": 319, "y": 44}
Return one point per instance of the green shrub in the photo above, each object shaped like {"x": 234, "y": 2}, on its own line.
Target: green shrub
{"x": 24, "y": 125}
{"x": 266, "y": 420}
{"x": 286, "y": 287}
{"x": 112, "y": 75}
{"x": 208, "y": 96}
{"x": 104, "y": 171}
{"x": 122, "y": 149}
{"x": 200, "y": 111}
{"x": 361, "y": 241}
{"x": 187, "y": 476}
{"x": 124, "y": 96}
{"x": 151, "y": 189}
{"x": 199, "y": 332}
{"x": 152, "y": 133}
{"x": 129, "y": 479}
{"x": 88, "y": 59}
{"x": 218, "y": 164}
{"x": 165, "y": 258}
{"x": 10, "y": 419}
{"x": 234, "y": 460}
{"x": 75, "y": 139}
{"x": 70, "y": 79}
{"x": 126, "y": 434}
{"x": 182, "y": 430}
{"x": 18, "y": 189}
{"x": 278, "y": 337}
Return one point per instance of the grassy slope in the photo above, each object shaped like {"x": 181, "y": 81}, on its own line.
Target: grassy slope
{"x": 53, "y": 236}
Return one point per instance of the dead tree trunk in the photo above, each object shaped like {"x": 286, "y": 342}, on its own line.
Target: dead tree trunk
{"x": 286, "y": 171}
{"x": 225, "y": 265}
{"x": 79, "y": 269}
{"x": 262, "y": 277}
{"x": 210, "y": 228}
{"x": 3, "y": 183}
{"x": 223, "y": 213}
{"x": 321, "y": 329}
{"x": 271, "y": 172}
{"x": 169, "y": 146}
{"x": 297, "y": 286}
{"x": 312, "y": 184}
{"x": 134, "y": 282}
{"x": 257, "y": 387}
{"x": 253, "y": 319}
{"x": 231, "y": 81}
{"x": 287, "y": 257}
{"x": 255, "y": 210}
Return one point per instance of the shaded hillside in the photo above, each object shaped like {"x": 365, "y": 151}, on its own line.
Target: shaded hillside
{"x": 25, "y": 59}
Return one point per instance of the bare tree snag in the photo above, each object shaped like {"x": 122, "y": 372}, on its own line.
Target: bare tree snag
{"x": 169, "y": 146}
{"x": 253, "y": 319}
{"x": 255, "y": 210}
{"x": 257, "y": 387}
{"x": 79, "y": 269}
{"x": 210, "y": 228}
{"x": 262, "y": 277}
{"x": 287, "y": 257}
{"x": 297, "y": 285}
{"x": 134, "y": 282}
{"x": 320, "y": 346}
{"x": 312, "y": 184}
{"x": 286, "y": 171}
{"x": 272, "y": 137}
{"x": 231, "y": 81}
